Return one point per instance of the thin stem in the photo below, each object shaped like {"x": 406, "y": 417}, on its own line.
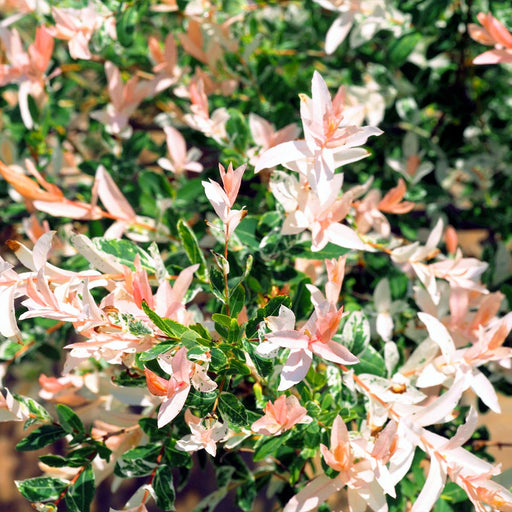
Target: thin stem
{"x": 226, "y": 288}
{"x": 214, "y": 408}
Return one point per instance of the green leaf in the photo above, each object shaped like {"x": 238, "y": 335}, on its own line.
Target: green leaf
{"x": 241, "y": 471}
{"x": 398, "y": 285}
{"x": 69, "y": 420}
{"x": 81, "y": 493}
{"x": 164, "y": 488}
{"x": 175, "y": 458}
{"x": 8, "y": 350}
{"x": 170, "y": 327}
{"x": 41, "y": 437}
{"x": 269, "y": 445}
{"x": 139, "y": 461}
{"x": 237, "y": 300}
{"x": 125, "y": 25}
{"x": 297, "y": 467}
{"x": 223, "y": 475}
{"x": 150, "y": 428}
{"x": 231, "y": 409}
{"x": 402, "y": 47}
{"x": 125, "y": 251}
{"x": 430, "y": 12}
{"x": 246, "y": 494}
{"x": 222, "y": 324}
{"x": 103, "y": 451}
{"x": 35, "y": 409}
{"x": 265, "y": 367}
{"x": 442, "y": 506}
{"x": 203, "y": 402}
{"x": 453, "y": 493}
{"x": 41, "y": 488}
{"x": 210, "y": 502}
{"x": 303, "y": 250}
{"x": 217, "y": 284}
{"x": 237, "y": 130}
{"x": 234, "y": 332}
{"x": 271, "y": 309}
{"x": 370, "y": 361}
{"x": 221, "y": 262}
{"x": 129, "y": 378}
{"x": 191, "y": 246}
{"x": 356, "y": 332}
{"x": 233, "y": 282}
{"x": 316, "y": 379}
{"x": 245, "y": 233}
{"x": 155, "y": 351}
{"x": 238, "y": 367}
{"x": 81, "y": 456}
{"x": 54, "y": 461}
{"x": 219, "y": 360}
{"x": 190, "y": 193}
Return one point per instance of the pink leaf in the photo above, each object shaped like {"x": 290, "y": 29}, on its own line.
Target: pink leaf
{"x": 112, "y": 198}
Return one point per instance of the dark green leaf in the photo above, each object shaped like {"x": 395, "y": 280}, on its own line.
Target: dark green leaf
{"x": 125, "y": 25}
{"x": 155, "y": 351}
{"x": 401, "y": 48}
{"x": 265, "y": 367}
{"x": 129, "y": 378}
{"x": 231, "y": 409}
{"x": 81, "y": 456}
{"x": 150, "y": 428}
{"x": 54, "y": 461}
{"x": 42, "y": 488}
{"x": 246, "y": 494}
{"x": 203, "y": 402}
{"x": 237, "y": 300}
{"x": 191, "y": 246}
{"x": 246, "y": 233}
{"x": 104, "y": 451}
{"x": 223, "y": 475}
{"x": 164, "y": 488}
{"x": 297, "y": 468}
{"x": 69, "y": 420}
{"x": 233, "y": 282}
{"x": 138, "y": 461}
{"x": 238, "y": 367}
{"x": 219, "y": 361}
{"x": 175, "y": 458}
{"x": 303, "y": 250}
{"x": 217, "y": 284}
{"x": 237, "y": 130}
{"x": 241, "y": 471}
{"x": 269, "y": 445}
{"x": 81, "y": 493}
{"x": 41, "y": 437}
{"x": 170, "y": 327}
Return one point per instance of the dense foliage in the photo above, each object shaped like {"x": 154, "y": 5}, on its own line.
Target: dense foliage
{"x": 278, "y": 232}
